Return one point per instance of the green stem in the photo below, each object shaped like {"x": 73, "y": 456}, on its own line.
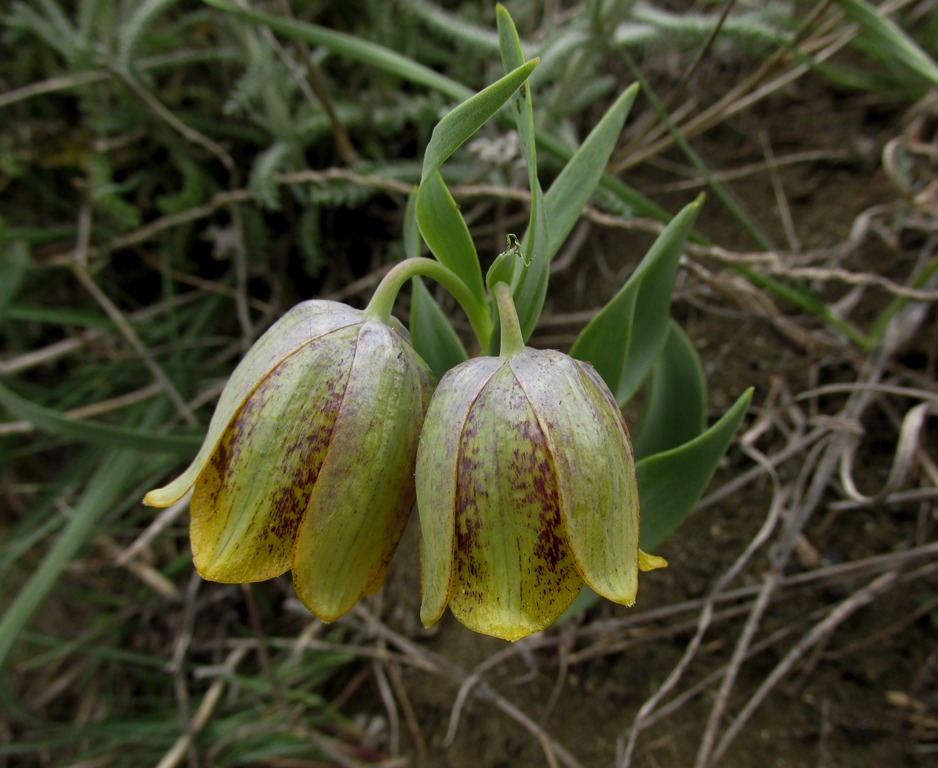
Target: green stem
{"x": 382, "y": 302}
{"x": 512, "y": 340}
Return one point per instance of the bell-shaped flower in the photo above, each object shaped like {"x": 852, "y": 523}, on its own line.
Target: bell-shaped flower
{"x": 526, "y": 489}
{"x": 309, "y": 459}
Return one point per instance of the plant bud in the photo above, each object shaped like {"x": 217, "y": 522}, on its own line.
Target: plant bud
{"x": 525, "y": 488}
{"x": 309, "y": 460}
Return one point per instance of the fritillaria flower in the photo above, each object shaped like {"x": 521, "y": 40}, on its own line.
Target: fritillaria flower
{"x": 526, "y": 489}
{"x": 309, "y": 459}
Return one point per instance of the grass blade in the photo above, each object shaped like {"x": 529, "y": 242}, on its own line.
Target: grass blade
{"x": 351, "y": 47}
{"x": 93, "y": 432}
{"x": 889, "y": 41}
{"x": 107, "y": 485}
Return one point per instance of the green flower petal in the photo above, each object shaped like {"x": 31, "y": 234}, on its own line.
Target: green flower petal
{"x": 592, "y": 454}
{"x": 437, "y": 475}
{"x": 513, "y": 571}
{"x": 302, "y": 325}
{"x": 255, "y": 487}
{"x": 365, "y": 488}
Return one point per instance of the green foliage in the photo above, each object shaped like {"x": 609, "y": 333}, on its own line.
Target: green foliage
{"x": 888, "y": 42}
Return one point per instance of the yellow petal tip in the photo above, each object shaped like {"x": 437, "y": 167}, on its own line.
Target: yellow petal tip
{"x": 648, "y": 562}
{"x": 155, "y": 499}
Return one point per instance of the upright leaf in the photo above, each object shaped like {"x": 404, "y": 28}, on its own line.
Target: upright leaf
{"x": 574, "y": 186}
{"x": 530, "y": 284}
{"x": 446, "y": 233}
{"x": 676, "y": 401}
{"x": 462, "y": 122}
{"x": 351, "y": 47}
{"x": 433, "y": 335}
{"x": 623, "y": 340}
{"x": 431, "y": 332}
{"x": 889, "y": 39}
{"x": 670, "y": 483}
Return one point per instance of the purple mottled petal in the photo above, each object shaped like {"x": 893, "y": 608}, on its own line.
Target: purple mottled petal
{"x": 592, "y": 454}
{"x": 437, "y": 473}
{"x": 256, "y": 486}
{"x": 365, "y": 489}
{"x": 303, "y": 324}
{"x": 513, "y": 573}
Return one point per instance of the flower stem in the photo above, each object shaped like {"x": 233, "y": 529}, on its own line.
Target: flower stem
{"x": 512, "y": 340}
{"x": 382, "y": 302}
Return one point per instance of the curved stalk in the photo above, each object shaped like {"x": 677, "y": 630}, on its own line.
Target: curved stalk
{"x": 382, "y": 302}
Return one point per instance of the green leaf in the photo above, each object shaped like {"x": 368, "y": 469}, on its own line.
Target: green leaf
{"x": 351, "y": 47}
{"x": 889, "y": 40}
{"x": 432, "y": 333}
{"x": 94, "y": 432}
{"x": 446, "y": 233}
{"x": 105, "y": 488}
{"x": 623, "y": 340}
{"x": 463, "y": 121}
{"x": 670, "y": 483}
{"x": 412, "y": 247}
{"x": 574, "y": 186}
{"x": 675, "y": 406}
{"x": 529, "y": 286}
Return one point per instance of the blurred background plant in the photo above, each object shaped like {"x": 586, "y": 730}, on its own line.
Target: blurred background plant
{"x": 175, "y": 175}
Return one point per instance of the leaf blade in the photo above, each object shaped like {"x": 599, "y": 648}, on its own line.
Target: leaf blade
{"x": 675, "y": 406}
{"x": 572, "y": 189}
{"x": 666, "y": 503}
{"x": 464, "y": 120}
{"x": 443, "y": 228}
{"x": 623, "y": 340}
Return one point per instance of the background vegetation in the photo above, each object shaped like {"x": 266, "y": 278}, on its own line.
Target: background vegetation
{"x": 174, "y": 175}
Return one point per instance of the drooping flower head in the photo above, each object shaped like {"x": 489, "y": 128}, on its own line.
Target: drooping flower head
{"x": 525, "y": 488}
{"x": 308, "y": 462}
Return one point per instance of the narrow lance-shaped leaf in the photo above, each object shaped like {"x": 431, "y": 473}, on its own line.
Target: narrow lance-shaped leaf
{"x": 432, "y": 333}
{"x": 890, "y": 40}
{"x": 394, "y": 63}
{"x": 574, "y": 186}
{"x": 462, "y": 122}
{"x": 93, "y": 432}
{"x": 623, "y": 340}
{"x": 670, "y": 483}
{"x": 351, "y": 47}
{"x": 442, "y": 225}
{"x": 676, "y": 400}
{"x": 530, "y": 283}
